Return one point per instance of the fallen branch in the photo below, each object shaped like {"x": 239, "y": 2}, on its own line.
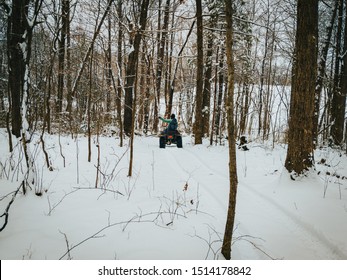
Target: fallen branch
{"x": 60, "y": 201}
{"x": 67, "y": 245}
{"x": 104, "y": 190}
{"x": 5, "y": 214}
{"x": 135, "y": 219}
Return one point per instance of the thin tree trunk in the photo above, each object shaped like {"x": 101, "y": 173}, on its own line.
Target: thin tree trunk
{"x": 199, "y": 75}
{"x": 228, "y": 232}
{"x": 68, "y": 65}
{"x": 120, "y": 70}
{"x": 169, "y": 90}
{"x": 61, "y": 55}
{"x": 131, "y": 70}
{"x": 161, "y": 49}
{"x": 132, "y": 82}
{"x": 214, "y": 99}
{"x": 206, "y": 102}
{"x": 221, "y": 82}
{"x": 157, "y": 90}
{"x": 341, "y": 98}
{"x": 89, "y": 105}
{"x": 337, "y": 108}
{"x": 146, "y": 104}
{"x": 321, "y": 74}
{"x": 108, "y": 69}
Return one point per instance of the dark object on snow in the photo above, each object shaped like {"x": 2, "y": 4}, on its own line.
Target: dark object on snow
{"x": 170, "y": 137}
{"x": 243, "y": 143}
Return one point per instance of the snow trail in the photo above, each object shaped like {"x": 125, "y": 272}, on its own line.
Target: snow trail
{"x": 297, "y": 227}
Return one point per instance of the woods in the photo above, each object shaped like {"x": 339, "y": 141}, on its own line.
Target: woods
{"x": 271, "y": 71}
{"x": 106, "y": 49}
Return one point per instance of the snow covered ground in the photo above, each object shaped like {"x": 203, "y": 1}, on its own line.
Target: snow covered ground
{"x": 174, "y": 206}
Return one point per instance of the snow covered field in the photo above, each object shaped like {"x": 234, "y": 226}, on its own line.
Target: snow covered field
{"x": 174, "y": 206}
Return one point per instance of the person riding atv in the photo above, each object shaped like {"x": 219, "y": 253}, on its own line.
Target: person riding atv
{"x": 170, "y": 135}
{"x": 172, "y": 123}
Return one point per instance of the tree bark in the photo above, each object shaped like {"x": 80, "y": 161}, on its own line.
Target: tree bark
{"x": 131, "y": 70}
{"x": 61, "y": 55}
{"x": 206, "y": 101}
{"x": 221, "y": 82}
{"x": 199, "y": 76}
{"x": 321, "y": 73}
{"x": 300, "y": 141}
{"x": 228, "y": 232}
{"x": 338, "y": 102}
{"x": 120, "y": 70}
{"x": 17, "y": 25}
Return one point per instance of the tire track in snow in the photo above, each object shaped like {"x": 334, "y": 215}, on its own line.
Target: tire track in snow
{"x": 307, "y": 232}
{"x": 204, "y": 186}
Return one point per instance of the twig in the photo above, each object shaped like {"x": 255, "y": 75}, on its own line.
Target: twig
{"x": 108, "y": 190}
{"x": 136, "y": 218}
{"x": 67, "y": 245}
{"x": 8, "y": 208}
{"x": 242, "y": 237}
{"x": 60, "y": 201}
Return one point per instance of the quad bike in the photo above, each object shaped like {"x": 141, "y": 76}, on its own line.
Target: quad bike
{"x": 170, "y": 137}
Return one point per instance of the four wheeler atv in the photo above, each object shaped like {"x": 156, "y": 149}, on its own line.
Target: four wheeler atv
{"x": 170, "y": 137}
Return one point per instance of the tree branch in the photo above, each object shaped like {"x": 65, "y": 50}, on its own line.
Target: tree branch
{"x": 5, "y": 214}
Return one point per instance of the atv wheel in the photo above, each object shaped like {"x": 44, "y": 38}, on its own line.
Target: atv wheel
{"x": 179, "y": 142}
{"x": 162, "y": 142}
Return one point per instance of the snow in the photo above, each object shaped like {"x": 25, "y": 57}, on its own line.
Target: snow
{"x": 174, "y": 206}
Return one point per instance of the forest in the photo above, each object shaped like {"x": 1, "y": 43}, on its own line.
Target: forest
{"x": 83, "y": 85}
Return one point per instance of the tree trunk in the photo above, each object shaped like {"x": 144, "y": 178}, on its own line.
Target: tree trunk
{"x": 300, "y": 141}
{"x": 228, "y": 233}
{"x": 120, "y": 70}
{"x": 321, "y": 74}
{"x": 214, "y": 110}
{"x": 199, "y": 76}
{"x": 338, "y": 101}
{"x": 147, "y": 101}
{"x": 221, "y": 81}
{"x": 157, "y": 95}
{"x": 17, "y": 25}
{"x": 131, "y": 70}
{"x": 206, "y": 102}
{"x": 68, "y": 63}
{"x": 169, "y": 89}
{"x": 108, "y": 70}
{"x": 61, "y": 55}
{"x": 340, "y": 107}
